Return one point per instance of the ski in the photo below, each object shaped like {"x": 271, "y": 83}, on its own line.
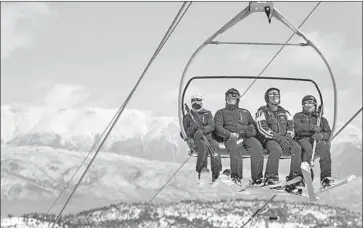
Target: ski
{"x": 340, "y": 183}
{"x": 279, "y": 186}
{"x": 225, "y": 179}
{"x": 305, "y": 168}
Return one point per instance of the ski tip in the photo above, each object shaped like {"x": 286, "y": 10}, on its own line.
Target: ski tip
{"x": 351, "y": 177}
{"x": 305, "y": 166}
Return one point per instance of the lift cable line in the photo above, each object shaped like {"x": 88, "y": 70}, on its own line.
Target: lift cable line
{"x": 286, "y": 44}
{"x": 79, "y": 167}
{"x": 350, "y": 120}
{"x": 118, "y": 114}
{"x": 97, "y": 141}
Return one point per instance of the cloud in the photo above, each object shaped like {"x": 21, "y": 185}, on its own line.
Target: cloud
{"x": 18, "y": 21}
{"x": 334, "y": 48}
{"x": 65, "y": 96}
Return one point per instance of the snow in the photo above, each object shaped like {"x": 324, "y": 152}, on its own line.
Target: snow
{"x": 19, "y": 222}
{"x": 86, "y": 122}
{"x": 81, "y": 125}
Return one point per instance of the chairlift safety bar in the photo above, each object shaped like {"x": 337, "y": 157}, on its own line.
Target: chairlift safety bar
{"x": 256, "y": 43}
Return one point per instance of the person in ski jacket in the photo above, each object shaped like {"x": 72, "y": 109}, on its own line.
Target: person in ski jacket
{"x": 194, "y": 132}
{"x": 233, "y": 123}
{"x": 276, "y": 126}
{"x": 307, "y": 130}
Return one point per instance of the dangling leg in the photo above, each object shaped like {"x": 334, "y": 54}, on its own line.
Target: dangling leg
{"x": 216, "y": 163}
{"x": 323, "y": 150}
{"x": 307, "y": 152}
{"x": 255, "y": 150}
{"x": 202, "y": 158}
{"x": 235, "y": 160}
{"x": 295, "y": 168}
{"x": 272, "y": 166}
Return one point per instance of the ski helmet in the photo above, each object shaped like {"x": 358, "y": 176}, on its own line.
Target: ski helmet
{"x": 270, "y": 89}
{"x": 235, "y": 94}
{"x": 310, "y": 107}
{"x": 196, "y": 97}
{"x": 308, "y": 97}
{"x": 197, "y": 101}
{"x": 232, "y": 91}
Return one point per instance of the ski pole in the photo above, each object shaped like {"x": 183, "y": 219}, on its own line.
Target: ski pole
{"x": 314, "y": 144}
{"x": 213, "y": 153}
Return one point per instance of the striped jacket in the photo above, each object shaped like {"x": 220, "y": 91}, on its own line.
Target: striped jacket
{"x": 271, "y": 124}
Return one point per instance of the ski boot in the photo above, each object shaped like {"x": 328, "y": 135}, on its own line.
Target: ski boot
{"x": 257, "y": 182}
{"x": 271, "y": 180}
{"x": 201, "y": 176}
{"x": 326, "y": 182}
{"x": 296, "y": 188}
{"x": 215, "y": 180}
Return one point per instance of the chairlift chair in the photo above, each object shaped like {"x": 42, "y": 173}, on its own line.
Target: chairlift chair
{"x": 271, "y": 12}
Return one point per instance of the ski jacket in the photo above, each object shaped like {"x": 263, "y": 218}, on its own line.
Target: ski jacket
{"x": 271, "y": 124}
{"x": 304, "y": 123}
{"x": 233, "y": 119}
{"x": 204, "y": 117}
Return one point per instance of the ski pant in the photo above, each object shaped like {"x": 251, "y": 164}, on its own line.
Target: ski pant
{"x": 236, "y": 160}
{"x": 275, "y": 151}
{"x": 322, "y": 150}
{"x": 202, "y": 150}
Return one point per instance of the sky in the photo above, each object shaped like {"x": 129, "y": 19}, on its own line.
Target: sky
{"x": 72, "y": 54}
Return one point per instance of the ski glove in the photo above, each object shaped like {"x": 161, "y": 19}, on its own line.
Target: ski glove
{"x": 316, "y": 128}
{"x": 198, "y": 135}
{"x": 242, "y": 133}
{"x": 233, "y": 136}
{"x": 194, "y": 125}
{"x": 250, "y": 131}
{"x": 283, "y": 141}
{"x": 285, "y": 144}
{"x": 318, "y": 136}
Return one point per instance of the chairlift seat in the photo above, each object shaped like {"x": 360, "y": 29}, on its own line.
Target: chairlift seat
{"x": 245, "y": 154}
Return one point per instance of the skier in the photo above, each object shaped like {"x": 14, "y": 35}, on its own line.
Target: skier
{"x": 195, "y": 133}
{"x": 276, "y": 126}
{"x": 233, "y": 123}
{"x": 307, "y": 131}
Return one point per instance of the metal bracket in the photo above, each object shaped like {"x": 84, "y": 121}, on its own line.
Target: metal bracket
{"x": 267, "y": 7}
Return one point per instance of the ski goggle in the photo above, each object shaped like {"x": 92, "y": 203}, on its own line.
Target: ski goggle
{"x": 309, "y": 102}
{"x": 274, "y": 94}
{"x": 196, "y": 100}
{"x": 232, "y": 95}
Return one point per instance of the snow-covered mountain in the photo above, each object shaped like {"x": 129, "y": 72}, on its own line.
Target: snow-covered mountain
{"x": 136, "y": 133}
{"x": 41, "y": 149}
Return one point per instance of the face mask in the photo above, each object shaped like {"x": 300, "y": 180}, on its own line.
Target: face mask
{"x": 197, "y": 104}
{"x": 274, "y": 97}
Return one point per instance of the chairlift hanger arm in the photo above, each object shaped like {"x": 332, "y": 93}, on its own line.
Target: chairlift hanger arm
{"x": 253, "y": 7}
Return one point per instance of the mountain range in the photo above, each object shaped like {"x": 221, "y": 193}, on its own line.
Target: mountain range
{"x": 136, "y": 133}
{"x": 41, "y": 149}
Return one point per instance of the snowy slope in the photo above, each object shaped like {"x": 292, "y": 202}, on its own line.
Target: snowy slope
{"x": 36, "y": 175}
{"x": 198, "y": 214}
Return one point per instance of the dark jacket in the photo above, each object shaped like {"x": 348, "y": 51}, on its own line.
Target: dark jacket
{"x": 305, "y": 122}
{"x": 233, "y": 119}
{"x": 272, "y": 124}
{"x": 204, "y": 117}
